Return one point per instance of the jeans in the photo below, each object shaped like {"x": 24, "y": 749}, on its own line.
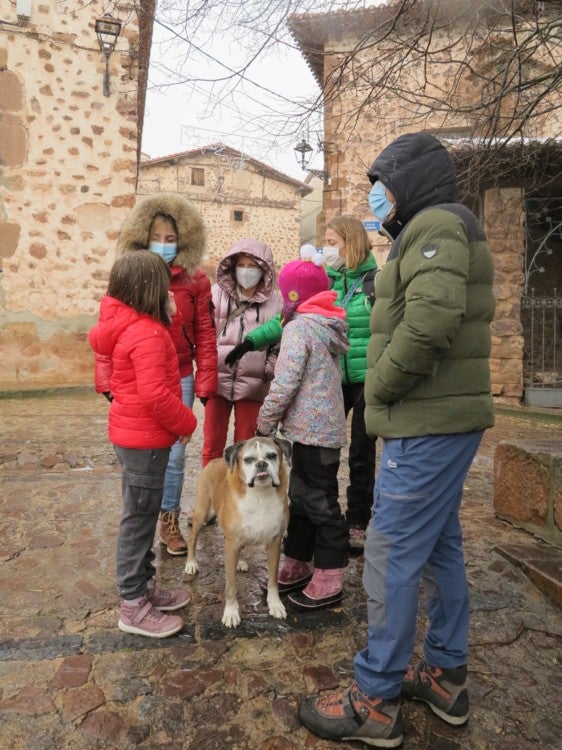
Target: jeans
{"x": 173, "y": 481}
{"x": 416, "y": 534}
{"x": 361, "y": 459}
{"x": 142, "y": 480}
{"x": 317, "y": 528}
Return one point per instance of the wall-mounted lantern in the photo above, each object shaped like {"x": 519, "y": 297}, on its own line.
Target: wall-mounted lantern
{"x": 107, "y": 31}
{"x": 303, "y": 151}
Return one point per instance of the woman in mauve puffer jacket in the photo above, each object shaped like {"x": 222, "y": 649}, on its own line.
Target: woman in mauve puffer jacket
{"x": 244, "y": 297}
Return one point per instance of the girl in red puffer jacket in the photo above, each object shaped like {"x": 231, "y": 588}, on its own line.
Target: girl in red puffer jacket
{"x": 146, "y": 417}
{"x": 171, "y": 226}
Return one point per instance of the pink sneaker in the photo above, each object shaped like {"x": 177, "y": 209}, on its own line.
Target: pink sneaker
{"x": 324, "y": 590}
{"x": 294, "y": 575}
{"x": 164, "y": 600}
{"x": 143, "y": 619}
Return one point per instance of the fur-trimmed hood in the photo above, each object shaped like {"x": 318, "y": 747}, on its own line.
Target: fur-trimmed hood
{"x": 192, "y": 234}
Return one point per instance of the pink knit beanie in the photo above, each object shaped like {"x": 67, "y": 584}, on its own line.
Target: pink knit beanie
{"x": 300, "y": 279}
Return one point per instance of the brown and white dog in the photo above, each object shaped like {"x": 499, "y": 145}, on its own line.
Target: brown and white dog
{"x": 247, "y": 491}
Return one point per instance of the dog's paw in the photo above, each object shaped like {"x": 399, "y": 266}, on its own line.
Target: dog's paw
{"x": 191, "y": 567}
{"x": 231, "y": 616}
{"x": 242, "y": 565}
{"x": 276, "y": 608}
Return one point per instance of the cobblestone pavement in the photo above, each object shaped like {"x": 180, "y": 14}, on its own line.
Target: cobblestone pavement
{"x": 70, "y": 679}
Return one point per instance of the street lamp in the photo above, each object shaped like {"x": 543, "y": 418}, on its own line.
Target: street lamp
{"x": 303, "y": 152}
{"x": 107, "y": 31}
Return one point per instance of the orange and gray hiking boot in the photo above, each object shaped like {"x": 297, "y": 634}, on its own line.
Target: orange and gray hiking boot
{"x": 351, "y": 715}
{"x": 444, "y": 691}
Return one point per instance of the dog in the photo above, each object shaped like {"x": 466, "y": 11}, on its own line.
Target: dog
{"x": 247, "y": 491}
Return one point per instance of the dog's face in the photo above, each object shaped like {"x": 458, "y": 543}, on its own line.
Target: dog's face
{"x": 259, "y": 460}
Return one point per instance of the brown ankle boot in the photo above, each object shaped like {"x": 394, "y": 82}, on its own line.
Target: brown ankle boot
{"x": 170, "y": 533}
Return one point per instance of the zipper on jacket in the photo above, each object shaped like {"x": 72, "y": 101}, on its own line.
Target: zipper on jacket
{"x": 345, "y": 374}
{"x": 235, "y": 368}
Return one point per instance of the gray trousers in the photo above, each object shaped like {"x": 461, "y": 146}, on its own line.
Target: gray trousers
{"x": 142, "y": 485}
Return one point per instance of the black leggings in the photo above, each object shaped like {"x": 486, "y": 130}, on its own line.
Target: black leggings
{"x": 317, "y": 528}
{"x": 361, "y": 460}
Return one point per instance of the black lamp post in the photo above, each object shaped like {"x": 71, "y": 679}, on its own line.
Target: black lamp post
{"x": 107, "y": 31}
{"x": 303, "y": 152}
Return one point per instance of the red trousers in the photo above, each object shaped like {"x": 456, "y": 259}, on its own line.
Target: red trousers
{"x": 215, "y": 425}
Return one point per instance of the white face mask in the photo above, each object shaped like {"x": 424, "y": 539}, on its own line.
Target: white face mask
{"x": 332, "y": 257}
{"x": 248, "y": 277}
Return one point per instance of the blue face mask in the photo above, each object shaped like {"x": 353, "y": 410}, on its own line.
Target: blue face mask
{"x": 168, "y": 250}
{"x": 378, "y": 202}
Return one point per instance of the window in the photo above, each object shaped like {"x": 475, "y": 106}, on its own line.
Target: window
{"x": 238, "y": 215}
{"x": 197, "y": 176}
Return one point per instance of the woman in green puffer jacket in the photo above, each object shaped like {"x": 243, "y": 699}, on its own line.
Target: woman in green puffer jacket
{"x": 351, "y": 267}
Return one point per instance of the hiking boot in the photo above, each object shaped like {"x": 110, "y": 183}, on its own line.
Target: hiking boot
{"x": 170, "y": 533}
{"x": 142, "y": 618}
{"x": 294, "y": 575}
{"x": 351, "y": 715}
{"x": 444, "y": 691}
{"x": 324, "y": 590}
{"x": 357, "y": 537}
{"x": 164, "y": 600}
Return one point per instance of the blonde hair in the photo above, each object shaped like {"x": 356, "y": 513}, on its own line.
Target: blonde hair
{"x": 357, "y": 242}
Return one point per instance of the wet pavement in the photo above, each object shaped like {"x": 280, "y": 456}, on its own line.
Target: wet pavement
{"x": 70, "y": 679}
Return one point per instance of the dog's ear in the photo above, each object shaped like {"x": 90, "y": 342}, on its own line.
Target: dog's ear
{"x": 231, "y": 453}
{"x": 286, "y": 447}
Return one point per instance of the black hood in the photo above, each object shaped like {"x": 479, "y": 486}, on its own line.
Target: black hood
{"x": 419, "y": 171}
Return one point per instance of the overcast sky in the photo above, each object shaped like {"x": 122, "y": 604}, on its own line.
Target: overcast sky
{"x": 195, "y": 113}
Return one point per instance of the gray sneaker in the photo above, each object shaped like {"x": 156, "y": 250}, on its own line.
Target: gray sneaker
{"x": 351, "y": 715}
{"x": 144, "y": 619}
{"x": 444, "y": 691}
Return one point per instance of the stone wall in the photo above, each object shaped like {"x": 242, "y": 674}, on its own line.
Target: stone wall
{"x": 528, "y": 487}
{"x": 67, "y": 178}
{"x": 504, "y": 218}
{"x": 234, "y": 187}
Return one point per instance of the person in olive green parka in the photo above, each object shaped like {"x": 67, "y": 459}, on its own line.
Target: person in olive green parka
{"x": 428, "y": 396}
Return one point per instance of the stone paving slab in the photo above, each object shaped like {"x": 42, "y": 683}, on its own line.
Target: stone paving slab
{"x": 541, "y": 563}
{"x": 70, "y": 679}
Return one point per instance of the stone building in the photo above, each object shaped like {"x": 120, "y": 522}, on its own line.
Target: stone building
{"x": 68, "y": 172}
{"x": 355, "y": 132}
{"x": 237, "y": 196}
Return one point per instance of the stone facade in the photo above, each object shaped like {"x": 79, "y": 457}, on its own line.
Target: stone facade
{"x": 68, "y": 171}
{"x": 236, "y": 195}
{"x": 354, "y": 134}
{"x": 528, "y": 487}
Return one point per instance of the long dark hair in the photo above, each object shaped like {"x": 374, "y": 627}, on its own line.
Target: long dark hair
{"x": 142, "y": 280}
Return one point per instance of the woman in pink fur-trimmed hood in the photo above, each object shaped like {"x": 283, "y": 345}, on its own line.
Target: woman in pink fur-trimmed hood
{"x": 244, "y": 297}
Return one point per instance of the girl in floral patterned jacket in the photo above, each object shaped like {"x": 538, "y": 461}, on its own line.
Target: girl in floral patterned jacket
{"x": 306, "y": 399}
